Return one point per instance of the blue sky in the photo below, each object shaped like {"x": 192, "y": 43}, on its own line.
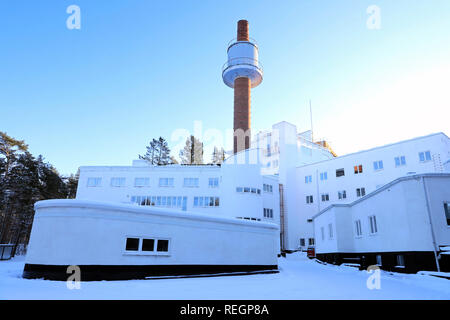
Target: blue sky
{"x": 137, "y": 70}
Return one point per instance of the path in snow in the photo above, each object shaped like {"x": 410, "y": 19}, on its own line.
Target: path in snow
{"x": 299, "y": 278}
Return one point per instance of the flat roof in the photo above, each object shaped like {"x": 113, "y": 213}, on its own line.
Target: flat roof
{"x": 375, "y": 148}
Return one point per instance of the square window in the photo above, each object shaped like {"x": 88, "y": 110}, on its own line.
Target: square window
{"x": 340, "y": 173}
{"x": 163, "y": 245}
{"x": 132, "y": 244}
{"x": 148, "y": 244}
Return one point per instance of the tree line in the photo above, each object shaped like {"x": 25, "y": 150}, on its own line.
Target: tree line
{"x": 24, "y": 180}
{"x": 158, "y": 153}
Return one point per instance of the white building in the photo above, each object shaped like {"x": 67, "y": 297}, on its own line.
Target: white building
{"x": 347, "y": 178}
{"x": 403, "y": 225}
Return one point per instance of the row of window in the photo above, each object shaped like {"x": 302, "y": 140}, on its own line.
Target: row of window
{"x": 310, "y": 242}
{"x": 267, "y": 188}
{"x": 145, "y": 182}
{"x": 377, "y": 165}
{"x": 161, "y": 201}
{"x": 268, "y": 213}
{"x": 248, "y": 190}
{"x": 360, "y": 192}
{"x": 147, "y": 245}
{"x": 248, "y": 218}
{"x": 206, "y": 202}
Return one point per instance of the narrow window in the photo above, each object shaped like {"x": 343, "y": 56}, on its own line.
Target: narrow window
{"x": 400, "y": 260}
{"x": 358, "y": 169}
{"x": 379, "y": 261}
{"x": 330, "y": 231}
{"x": 311, "y": 241}
{"x": 148, "y": 244}
{"x": 378, "y": 165}
{"x": 132, "y": 244}
{"x": 447, "y": 212}
{"x": 163, "y": 245}
{"x": 322, "y": 231}
{"x": 373, "y": 224}
{"x": 302, "y": 242}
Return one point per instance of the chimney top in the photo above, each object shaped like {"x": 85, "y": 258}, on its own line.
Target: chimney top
{"x": 242, "y": 32}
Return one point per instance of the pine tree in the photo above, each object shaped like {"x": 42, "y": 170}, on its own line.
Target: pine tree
{"x": 158, "y": 152}
{"x": 192, "y": 152}
{"x": 218, "y": 156}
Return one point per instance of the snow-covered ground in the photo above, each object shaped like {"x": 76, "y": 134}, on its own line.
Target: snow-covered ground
{"x": 299, "y": 278}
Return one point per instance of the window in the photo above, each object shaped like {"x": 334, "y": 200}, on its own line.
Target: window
{"x": 267, "y": 188}
{"x": 142, "y": 182}
{"x": 239, "y": 189}
{"x": 360, "y": 192}
{"x": 148, "y": 244}
{"x": 190, "y": 182}
{"x": 340, "y": 173}
{"x": 309, "y": 199}
{"x": 268, "y": 213}
{"x": 358, "y": 228}
{"x": 166, "y": 182}
{"x": 358, "y": 169}
{"x": 325, "y": 197}
{"x": 400, "y": 161}
{"x": 342, "y": 194}
{"x": 330, "y": 231}
{"x": 308, "y": 179}
{"x": 379, "y": 261}
{"x": 311, "y": 241}
{"x": 323, "y": 176}
{"x": 246, "y": 189}
{"x": 162, "y": 246}
{"x": 117, "y": 182}
{"x": 206, "y": 201}
{"x": 302, "y": 242}
{"x": 94, "y": 182}
{"x": 213, "y": 182}
{"x": 373, "y": 224}
{"x": 447, "y": 212}
{"x": 132, "y": 244}
{"x": 424, "y": 156}
{"x": 400, "y": 260}
{"x": 378, "y": 165}
{"x": 322, "y": 231}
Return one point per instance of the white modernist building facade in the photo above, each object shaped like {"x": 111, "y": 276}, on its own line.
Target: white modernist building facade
{"x": 404, "y": 224}
{"x": 290, "y": 179}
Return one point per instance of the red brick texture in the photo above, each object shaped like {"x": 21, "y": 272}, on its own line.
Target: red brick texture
{"x": 242, "y": 32}
{"x": 242, "y": 88}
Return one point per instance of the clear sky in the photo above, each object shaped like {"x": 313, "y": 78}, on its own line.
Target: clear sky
{"x": 137, "y": 70}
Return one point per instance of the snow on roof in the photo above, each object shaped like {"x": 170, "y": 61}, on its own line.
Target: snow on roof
{"x": 150, "y": 211}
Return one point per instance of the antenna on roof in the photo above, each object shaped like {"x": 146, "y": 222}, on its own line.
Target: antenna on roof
{"x": 310, "y": 113}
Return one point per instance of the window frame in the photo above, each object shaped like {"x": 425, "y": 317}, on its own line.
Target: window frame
{"x": 140, "y": 252}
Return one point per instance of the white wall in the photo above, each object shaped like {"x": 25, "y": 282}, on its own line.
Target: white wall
{"x": 76, "y": 232}
{"x": 402, "y": 218}
{"x": 370, "y": 179}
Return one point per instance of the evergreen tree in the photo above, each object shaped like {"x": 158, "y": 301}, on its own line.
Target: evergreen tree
{"x": 158, "y": 152}
{"x": 218, "y": 156}
{"x": 72, "y": 185}
{"x": 192, "y": 152}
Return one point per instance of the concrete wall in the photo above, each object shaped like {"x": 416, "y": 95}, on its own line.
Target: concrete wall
{"x": 75, "y": 232}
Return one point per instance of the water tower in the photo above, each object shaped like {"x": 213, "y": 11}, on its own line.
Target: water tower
{"x": 242, "y": 72}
